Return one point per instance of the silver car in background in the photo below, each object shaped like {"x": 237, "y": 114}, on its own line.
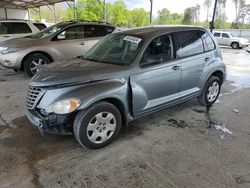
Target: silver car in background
{"x": 230, "y": 39}
{"x": 63, "y": 40}
{"x": 10, "y": 29}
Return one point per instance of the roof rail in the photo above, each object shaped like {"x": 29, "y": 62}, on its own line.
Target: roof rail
{"x": 2, "y": 19}
{"x": 95, "y": 21}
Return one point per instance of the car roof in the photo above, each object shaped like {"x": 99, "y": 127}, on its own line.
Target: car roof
{"x": 150, "y": 31}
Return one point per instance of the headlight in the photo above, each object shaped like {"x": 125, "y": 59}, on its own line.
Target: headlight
{"x": 64, "y": 107}
{"x": 9, "y": 50}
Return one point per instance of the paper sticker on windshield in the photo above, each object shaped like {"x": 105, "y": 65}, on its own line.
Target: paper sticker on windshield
{"x": 132, "y": 39}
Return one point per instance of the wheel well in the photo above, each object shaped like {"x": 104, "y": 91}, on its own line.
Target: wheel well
{"x": 36, "y": 52}
{"x": 119, "y": 105}
{"x": 219, "y": 74}
{"x": 234, "y": 42}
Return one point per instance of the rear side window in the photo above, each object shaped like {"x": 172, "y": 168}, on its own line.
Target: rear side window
{"x": 98, "y": 30}
{"x": 225, "y": 35}
{"x": 208, "y": 41}
{"x": 4, "y": 28}
{"x": 190, "y": 43}
{"x": 40, "y": 26}
{"x": 217, "y": 34}
{"x": 18, "y": 28}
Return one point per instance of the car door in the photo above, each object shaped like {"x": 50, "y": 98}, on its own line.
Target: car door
{"x": 157, "y": 83}
{"x": 96, "y": 32}
{"x": 71, "y": 42}
{"x": 190, "y": 50}
{"x": 226, "y": 39}
{"x": 218, "y": 37}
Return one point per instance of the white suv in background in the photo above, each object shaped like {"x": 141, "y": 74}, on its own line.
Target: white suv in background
{"x": 10, "y": 29}
{"x": 230, "y": 39}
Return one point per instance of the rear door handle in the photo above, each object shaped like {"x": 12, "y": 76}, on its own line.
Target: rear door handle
{"x": 176, "y": 67}
{"x": 82, "y": 43}
{"x": 207, "y": 59}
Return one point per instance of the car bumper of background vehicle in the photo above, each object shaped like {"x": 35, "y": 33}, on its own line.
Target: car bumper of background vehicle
{"x": 9, "y": 61}
{"x": 53, "y": 124}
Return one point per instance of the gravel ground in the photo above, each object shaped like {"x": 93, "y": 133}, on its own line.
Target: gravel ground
{"x": 176, "y": 147}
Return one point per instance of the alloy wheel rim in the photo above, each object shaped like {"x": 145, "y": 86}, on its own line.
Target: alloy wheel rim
{"x": 101, "y": 127}
{"x": 36, "y": 64}
{"x": 213, "y": 92}
{"x": 235, "y": 46}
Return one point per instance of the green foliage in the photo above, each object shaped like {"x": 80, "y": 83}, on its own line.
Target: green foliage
{"x": 191, "y": 15}
{"x": 138, "y": 17}
{"x": 86, "y": 10}
{"x": 118, "y": 14}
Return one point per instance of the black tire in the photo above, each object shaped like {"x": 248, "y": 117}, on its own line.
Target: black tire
{"x": 235, "y": 45}
{"x": 84, "y": 117}
{"x": 203, "y": 98}
{"x": 34, "y": 57}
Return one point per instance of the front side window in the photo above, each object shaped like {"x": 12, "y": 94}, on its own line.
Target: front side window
{"x": 190, "y": 43}
{"x": 4, "y": 28}
{"x": 18, "y": 28}
{"x": 208, "y": 41}
{"x": 224, "y": 35}
{"x": 75, "y": 32}
{"x": 217, "y": 34}
{"x": 158, "y": 51}
{"x": 49, "y": 31}
{"x": 118, "y": 49}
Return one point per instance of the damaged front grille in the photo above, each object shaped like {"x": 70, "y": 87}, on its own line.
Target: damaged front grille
{"x": 33, "y": 96}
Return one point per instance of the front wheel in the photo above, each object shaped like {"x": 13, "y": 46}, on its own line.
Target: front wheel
{"x": 235, "y": 45}
{"x": 98, "y": 125}
{"x": 33, "y": 62}
{"x": 210, "y": 92}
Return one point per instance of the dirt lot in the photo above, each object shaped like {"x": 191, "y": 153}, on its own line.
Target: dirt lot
{"x": 172, "y": 148}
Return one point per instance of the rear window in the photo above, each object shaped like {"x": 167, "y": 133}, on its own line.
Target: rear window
{"x": 4, "y": 28}
{"x": 208, "y": 41}
{"x": 40, "y": 26}
{"x": 190, "y": 43}
{"x": 18, "y": 28}
{"x": 98, "y": 30}
{"x": 216, "y": 34}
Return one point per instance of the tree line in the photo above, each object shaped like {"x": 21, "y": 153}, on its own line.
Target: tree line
{"x": 118, "y": 14}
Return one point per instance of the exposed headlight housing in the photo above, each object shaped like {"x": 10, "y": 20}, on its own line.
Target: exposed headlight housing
{"x": 9, "y": 50}
{"x": 64, "y": 107}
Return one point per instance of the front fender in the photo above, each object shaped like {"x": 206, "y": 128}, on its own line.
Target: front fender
{"x": 88, "y": 93}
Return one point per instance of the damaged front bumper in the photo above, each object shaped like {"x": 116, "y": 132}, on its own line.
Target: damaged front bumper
{"x": 54, "y": 124}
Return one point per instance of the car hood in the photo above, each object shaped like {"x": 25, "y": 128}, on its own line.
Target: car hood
{"x": 20, "y": 42}
{"x": 76, "y": 71}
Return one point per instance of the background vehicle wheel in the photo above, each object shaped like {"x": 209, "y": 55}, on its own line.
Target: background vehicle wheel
{"x": 98, "y": 125}
{"x": 34, "y": 62}
{"x": 235, "y": 45}
{"x": 210, "y": 92}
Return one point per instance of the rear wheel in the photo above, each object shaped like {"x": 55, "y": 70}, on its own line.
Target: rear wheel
{"x": 210, "y": 92}
{"x": 33, "y": 62}
{"x": 98, "y": 125}
{"x": 235, "y": 45}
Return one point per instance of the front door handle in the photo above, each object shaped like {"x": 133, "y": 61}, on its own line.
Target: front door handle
{"x": 82, "y": 43}
{"x": 6, "y": 36}
{"x": 207, "y": 59}
{"x": 176, "y": 67}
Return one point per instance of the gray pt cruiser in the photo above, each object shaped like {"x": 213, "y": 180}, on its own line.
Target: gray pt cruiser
{"x": 125, "y": 76}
